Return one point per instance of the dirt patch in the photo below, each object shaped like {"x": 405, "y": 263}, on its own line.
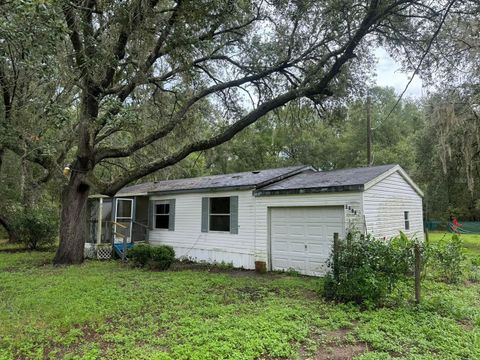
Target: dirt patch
{"x": 340, "y": 352}
{"x": 223, "y": 269}
{"x": 338, "y": 334}
{"x": 335, "y": 345}
{"x": 466, "y": 325}
{"x": 89, "y": 335}
{"x": 252, "y": 293}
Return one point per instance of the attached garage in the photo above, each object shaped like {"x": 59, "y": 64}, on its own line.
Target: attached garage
{"x": 301, "y": 238}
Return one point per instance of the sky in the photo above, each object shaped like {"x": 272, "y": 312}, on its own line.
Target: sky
{"x": 389, "y": 74}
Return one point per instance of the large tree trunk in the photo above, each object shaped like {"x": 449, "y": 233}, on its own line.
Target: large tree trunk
{"x": 12, "y": 236}
{"x": 73, "y": 221}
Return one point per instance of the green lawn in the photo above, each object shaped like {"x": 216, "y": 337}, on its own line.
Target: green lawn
{"x": 471, "y": 242}
{"x": 107, "y": 310}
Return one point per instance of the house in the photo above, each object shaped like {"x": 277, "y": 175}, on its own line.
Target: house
{"x": 285, "y": 218}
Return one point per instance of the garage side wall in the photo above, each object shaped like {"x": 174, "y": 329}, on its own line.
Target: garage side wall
{"x": 385, "y": 204}
{"x": 350, "y": 201}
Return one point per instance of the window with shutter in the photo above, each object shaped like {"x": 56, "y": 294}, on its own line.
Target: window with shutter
{"x": 219, "y": 214}
{"x": 161, "y": 214}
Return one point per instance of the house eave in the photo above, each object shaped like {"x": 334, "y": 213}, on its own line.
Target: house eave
{"x": 201, "y": 190}
{"x": 343, "y": 188}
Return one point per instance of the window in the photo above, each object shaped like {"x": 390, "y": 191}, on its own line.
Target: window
{"x": 407, "y": 221}
{"x": 162, "y": 215}
{"x": 219, "y": 214}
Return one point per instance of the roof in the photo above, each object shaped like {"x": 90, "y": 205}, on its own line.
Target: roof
{"x": 288, "y": 180}
{"x": 354, "y": 179}
{"x": 243, "y": 180}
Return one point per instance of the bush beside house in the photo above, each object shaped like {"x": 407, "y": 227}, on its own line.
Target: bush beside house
{"x": 154, "y": 257}
{"x": 365, "y": 270}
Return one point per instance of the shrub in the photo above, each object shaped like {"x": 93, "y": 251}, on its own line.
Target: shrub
{"x": 140, "y": 255}
{"x": 156, "y": 257}
{"x": 473, "y": 270}
{"x": 445, "y": 259}
{"x": 37, "y": 227}
{"x": 161, "y": 257}
{"x": 366, "y": 269}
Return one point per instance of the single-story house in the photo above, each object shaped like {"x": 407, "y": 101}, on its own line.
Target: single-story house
{"x": 285, "y": 218}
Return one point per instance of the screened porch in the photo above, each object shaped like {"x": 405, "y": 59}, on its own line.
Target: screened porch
{"x": 113, "y": 222}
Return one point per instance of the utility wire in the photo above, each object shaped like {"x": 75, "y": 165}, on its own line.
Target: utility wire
{"x": 429, "y": 46}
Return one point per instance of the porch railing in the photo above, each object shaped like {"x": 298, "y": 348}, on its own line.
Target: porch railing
{"x": 108, "y": 236}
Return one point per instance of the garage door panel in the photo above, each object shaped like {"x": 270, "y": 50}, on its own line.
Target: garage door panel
{"x": 319, "y": 248}
{"x": 281, "y": 247}
{"x": 297, "y": 247}
{"x": 302, "y": 237}
{"x": 315, "y": 230}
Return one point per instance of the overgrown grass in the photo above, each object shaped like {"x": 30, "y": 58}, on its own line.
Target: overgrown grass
{"x": 107, "y": 310}
{"x": 471, "y": 242}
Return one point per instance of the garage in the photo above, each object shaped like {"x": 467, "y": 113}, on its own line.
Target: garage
{"x": 301, "y": 238}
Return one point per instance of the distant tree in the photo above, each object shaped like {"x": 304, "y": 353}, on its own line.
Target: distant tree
{"x": 449, "y": 148}
{"x": 448, "y": 156}
{"x": 337, "y": 138}
{"x": 33, "y": 106}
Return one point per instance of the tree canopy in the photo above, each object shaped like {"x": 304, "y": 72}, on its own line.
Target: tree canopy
{"x": 123, "y": 89}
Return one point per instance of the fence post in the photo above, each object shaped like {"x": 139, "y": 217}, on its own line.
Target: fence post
{"x": 349, "y": 238}
{"x": 418, "y": 270}
{"x": 336, "y": 249}
{"x": 124, "y": 252}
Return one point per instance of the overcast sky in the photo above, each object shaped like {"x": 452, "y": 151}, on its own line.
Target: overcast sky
{"x": 389, "y": 74}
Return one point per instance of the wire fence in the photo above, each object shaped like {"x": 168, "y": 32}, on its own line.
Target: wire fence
{"x": 462, "y": 227}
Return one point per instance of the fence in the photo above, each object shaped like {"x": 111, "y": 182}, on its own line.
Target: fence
{"x": 465, "y": 227}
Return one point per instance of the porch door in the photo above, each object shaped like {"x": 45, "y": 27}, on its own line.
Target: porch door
{"x": 123, "y": 220}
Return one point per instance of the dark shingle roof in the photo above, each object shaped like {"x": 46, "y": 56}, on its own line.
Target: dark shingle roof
{"x": 243, "y": 180}
{"x": 323, "y": 181}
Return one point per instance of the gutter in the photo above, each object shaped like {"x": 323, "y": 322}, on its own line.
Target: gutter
{"x": 317, "y": 190}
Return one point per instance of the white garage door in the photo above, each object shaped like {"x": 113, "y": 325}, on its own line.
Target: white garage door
{"x": 302, "y": 237}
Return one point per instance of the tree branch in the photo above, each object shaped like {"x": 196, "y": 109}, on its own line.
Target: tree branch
{"x": 103, "y": 153}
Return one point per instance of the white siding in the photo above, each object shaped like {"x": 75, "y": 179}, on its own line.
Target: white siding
{"x": 251, "y": 243}
{"x": 188, "y": 240}
{"x": 264, "y": 203}
{"x": 384, "y": 205}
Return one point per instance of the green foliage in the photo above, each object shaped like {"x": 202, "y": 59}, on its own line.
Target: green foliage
{"x": 37, "y": 227}
{"x": 139, "y": 255}
{"x": 366, "y": 269}
{"x": 109, "y": 311}
{"x": 156, "y": 257}
{"x": 290, "y": 136}
{"x": 445, "y": 258}
{"x": 224, "y": 266}
{"x": 161, "y": 257}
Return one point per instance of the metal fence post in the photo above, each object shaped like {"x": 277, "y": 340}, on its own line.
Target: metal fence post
{"x": 336, "y": 249}
{"x": 418, "y": 269}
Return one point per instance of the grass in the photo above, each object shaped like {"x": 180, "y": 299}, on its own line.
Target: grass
{"x": 105, "y": 310}
{"x": 471, "y": 242}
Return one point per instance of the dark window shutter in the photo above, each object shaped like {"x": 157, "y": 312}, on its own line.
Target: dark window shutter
{"x": 171, "y": 217}
{"x": 233, "y": 214}
{"x": 204, "y": 214}
{"x": 151, "y": 220}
